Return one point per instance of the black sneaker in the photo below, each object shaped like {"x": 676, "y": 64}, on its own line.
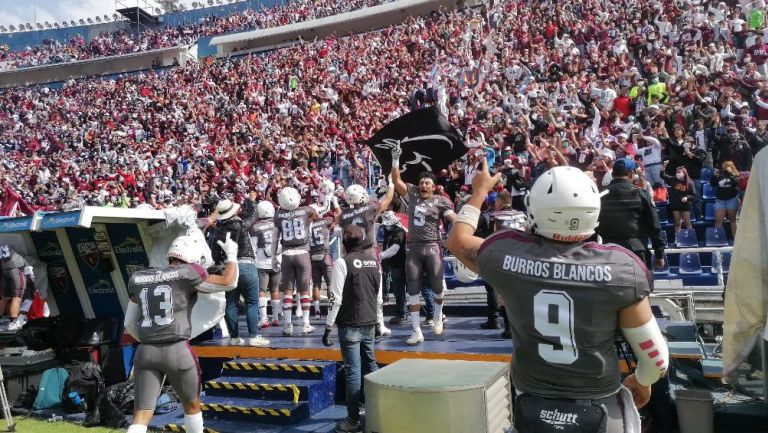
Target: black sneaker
{"x": 490, "y": 324}
{"x": 506, "y": 335}
{"x": 348, "y": 425}
{"x": 398, "y": 321}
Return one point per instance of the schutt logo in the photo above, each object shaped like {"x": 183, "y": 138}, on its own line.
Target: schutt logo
{"x": 129, "y": 246}
{"x": 558, "y": 419}
{"x": 89, "y": 252}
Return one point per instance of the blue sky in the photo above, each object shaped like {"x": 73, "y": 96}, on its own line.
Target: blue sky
{"x": 22, "y": 11}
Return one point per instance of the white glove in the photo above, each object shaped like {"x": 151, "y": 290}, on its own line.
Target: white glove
{"x": 230, "y": 248}
{"x": 397, "y": 151}
{"x": 28, "y": 271}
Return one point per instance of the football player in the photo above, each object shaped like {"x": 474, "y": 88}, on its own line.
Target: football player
{"x": 565, "y": 299}
{"x": 158, "y": 317}
{"x": 16, "y": 287}
{"x": 269, "y": 277}
{"x": 422, "y": 252}
{"x": 292, "y": 225}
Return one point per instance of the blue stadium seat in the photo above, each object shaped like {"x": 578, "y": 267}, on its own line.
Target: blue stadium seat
{"x": 686, "y": 238}
{"x": 707, "y": 192}
{"x": 663, "y": 218}
{"x": 716, "y": 237}
{"x": 726, "y": 257}
{"x": 690, "y": 264}
{"x": 706, "y": 174}
{"x": 709, "y": 211}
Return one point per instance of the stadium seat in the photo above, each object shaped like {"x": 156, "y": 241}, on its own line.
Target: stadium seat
{"x": 707, "y": 192}
{"x": 716, "y": 237}
{"x": 706, "y": 174}
{"x": 690, "y": 264}
{"x": 663, "y": 217}
{"x": 709, "y": 211}
{"x": 686, "y": 238}
{"x": 726, "y": 261}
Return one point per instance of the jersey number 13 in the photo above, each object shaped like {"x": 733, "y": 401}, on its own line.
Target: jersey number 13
{"x": 553, "y": 317}
{"x": 162, "y": 303}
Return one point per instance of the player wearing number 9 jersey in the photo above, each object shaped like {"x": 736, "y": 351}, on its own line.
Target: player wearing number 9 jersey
{"x": 292, "y": 228}
{"x": 565, "y": 299}
{"x": 158, "y": 316}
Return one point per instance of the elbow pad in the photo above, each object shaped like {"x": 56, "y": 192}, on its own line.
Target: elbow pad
{"x": 131, "y": 322}
{"x": 214, "y": 288}
{"x": 650, "y": 350}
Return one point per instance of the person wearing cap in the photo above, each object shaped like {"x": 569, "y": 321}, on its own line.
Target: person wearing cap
{"x": 228, "y": 223}
{"x": 352, "y": 298}
{"x": 628, "y": 216}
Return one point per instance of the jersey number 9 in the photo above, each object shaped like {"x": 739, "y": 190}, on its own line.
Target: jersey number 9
{"x": 553, "y": 318}
{"x": 162, "y": 302}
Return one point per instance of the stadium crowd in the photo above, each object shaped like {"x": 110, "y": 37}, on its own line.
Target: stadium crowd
{"x": 675, "y": 85}
{"x": 124, "y": 41}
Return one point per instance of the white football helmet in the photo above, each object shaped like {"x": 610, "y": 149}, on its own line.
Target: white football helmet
{"x": 356, "y": 194}
{"x": 327, "y": 187}
{"x": 188, "y": 249}
{"x": 463, "y": 273}
{"x": 389, "y": 219}
{"x": 289, "y": 198}
{"x": 563, "y": 205}
{"x": 265, "y": 209}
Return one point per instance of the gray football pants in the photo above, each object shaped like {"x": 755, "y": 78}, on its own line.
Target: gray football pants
{"x": 174, "y": 360}
{"x": 423, "y": 258}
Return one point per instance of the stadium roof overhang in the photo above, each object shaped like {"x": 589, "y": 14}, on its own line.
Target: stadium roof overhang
{"x": 82, "y": 218}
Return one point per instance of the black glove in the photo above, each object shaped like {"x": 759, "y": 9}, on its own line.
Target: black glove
{"x": 327, "y": 339}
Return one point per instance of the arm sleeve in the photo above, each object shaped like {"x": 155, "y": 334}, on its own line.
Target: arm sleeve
{"x": 131, "y": 321}
{"x": 389, "y": 252}
{"x": 336, "y": 290}
{"x": 650, "y": 350}
{"x": 249, "y": 214}
{"x": 275, "y": 240}
{"x": 196, "y": 274}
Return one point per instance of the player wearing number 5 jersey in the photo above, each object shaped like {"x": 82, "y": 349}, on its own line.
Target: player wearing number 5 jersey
{"x": 292, "y": 229}
{"x": 158, "y": 316}
{"x": 565, "y": 299}
{"x": 422, "y": 252}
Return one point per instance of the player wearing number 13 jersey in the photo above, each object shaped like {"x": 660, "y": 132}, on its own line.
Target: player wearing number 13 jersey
{"x": 565, "y": 299}
{"x": 159, "y": 317}
{"x": 292, "y": 228}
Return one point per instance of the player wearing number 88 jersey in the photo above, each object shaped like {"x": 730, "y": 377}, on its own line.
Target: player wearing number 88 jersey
{"x": 292, "y": 228}
{"x": 566, "y": 298}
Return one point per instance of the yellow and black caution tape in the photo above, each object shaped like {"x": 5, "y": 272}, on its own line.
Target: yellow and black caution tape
{"x": 180, "y": 429}
{"x": 248, "y": 366}
{"x": 245, "y": 410}
{"x": 256, "y": 387}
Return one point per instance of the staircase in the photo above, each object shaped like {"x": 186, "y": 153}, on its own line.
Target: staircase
{"x": 266, "y": 391}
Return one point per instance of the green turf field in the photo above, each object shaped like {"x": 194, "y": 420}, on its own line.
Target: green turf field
{"x": 29, "y": 425}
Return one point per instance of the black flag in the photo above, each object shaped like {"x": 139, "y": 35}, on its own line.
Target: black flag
{"x": 428, "y": 142}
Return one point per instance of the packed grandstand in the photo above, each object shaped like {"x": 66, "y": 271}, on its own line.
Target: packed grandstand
{"x": 534, "y": 84}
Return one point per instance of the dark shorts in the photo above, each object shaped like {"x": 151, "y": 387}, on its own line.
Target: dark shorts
{"x": 423, "y": 258}
{"x": 16, "y": 284}
{"x": 269, "y": 279}
{"x": 321, "y": 270}
{"x": 296, "y": 269}
{"x": 176, "y": 362}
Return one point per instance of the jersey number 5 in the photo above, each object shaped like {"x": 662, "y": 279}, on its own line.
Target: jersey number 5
{"x": 162, "y": 302}
{"x": 419, "y": 219}
{"x": 293, "y": 229}
{"x": 553, "y": 318}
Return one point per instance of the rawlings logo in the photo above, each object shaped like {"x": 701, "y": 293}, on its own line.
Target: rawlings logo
{"x": 89, "y": 252}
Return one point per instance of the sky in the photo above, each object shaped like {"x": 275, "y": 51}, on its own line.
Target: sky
{"x": 23, "y": 11}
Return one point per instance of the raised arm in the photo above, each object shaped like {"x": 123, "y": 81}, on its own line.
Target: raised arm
{"x": 400, "y": 186}
{"x": 387, "y": 200}
{"x": 461, "y": 240}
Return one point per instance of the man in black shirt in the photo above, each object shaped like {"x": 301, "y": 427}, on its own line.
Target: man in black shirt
{"x": 393, "y": 263}
{"x": 355, "y": 289}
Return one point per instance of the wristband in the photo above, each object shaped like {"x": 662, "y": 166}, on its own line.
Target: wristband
{"x": 469, "y": 215}
{"x": 396, "y": 163}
